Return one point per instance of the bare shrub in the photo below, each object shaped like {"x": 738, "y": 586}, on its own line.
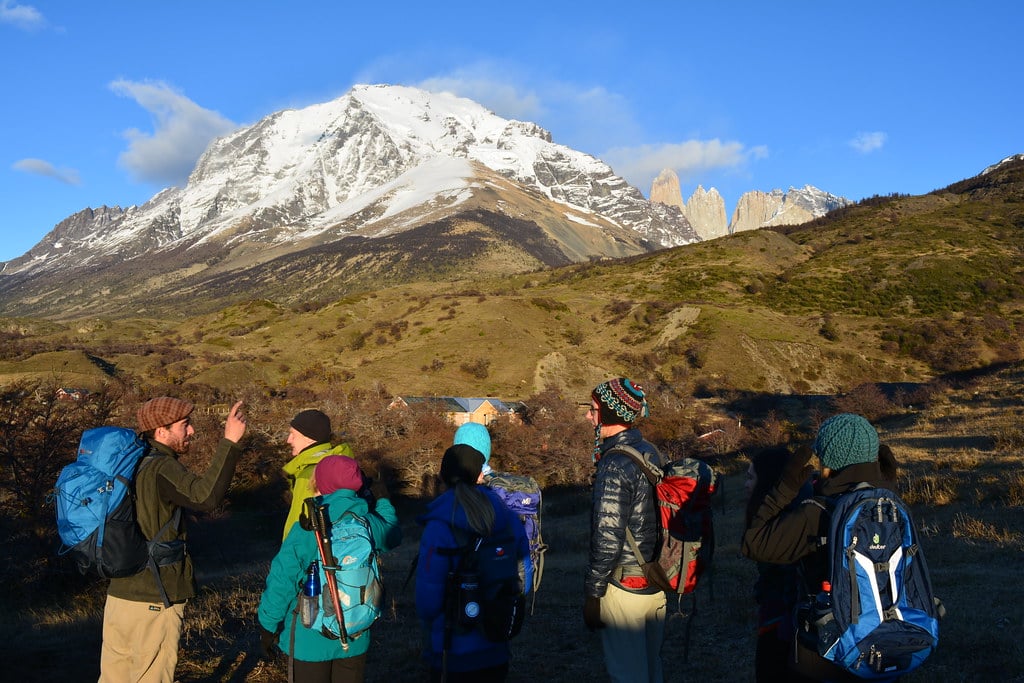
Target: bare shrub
{"x": 697, "y": 355}
{"x": 772, "y": 430}
{"x": 829, "y": 329}
{"x": 865, "y": 399}
{"x": 479, "y": 368}
{"x": 38, "y": 436}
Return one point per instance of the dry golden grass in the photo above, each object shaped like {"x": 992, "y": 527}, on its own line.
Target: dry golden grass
{"x": 966, "y": 492}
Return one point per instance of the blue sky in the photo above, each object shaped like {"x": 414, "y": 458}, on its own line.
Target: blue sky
{"x": 110, "y": 102}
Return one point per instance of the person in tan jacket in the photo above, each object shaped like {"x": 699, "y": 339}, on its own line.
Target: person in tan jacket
{"x": 142, "y": 617}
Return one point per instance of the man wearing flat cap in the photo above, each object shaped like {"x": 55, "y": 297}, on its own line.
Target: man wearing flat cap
{"x": 142, "y": 617}
{"x": 309, "y": 436}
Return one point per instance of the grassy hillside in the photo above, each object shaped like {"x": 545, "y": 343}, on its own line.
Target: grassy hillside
{"x": 893, "y": 289}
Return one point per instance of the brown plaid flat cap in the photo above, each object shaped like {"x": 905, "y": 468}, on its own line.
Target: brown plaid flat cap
{"x": 162, "y": 411}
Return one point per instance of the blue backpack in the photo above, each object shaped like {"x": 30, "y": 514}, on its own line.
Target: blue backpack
{"x": 875, "y": 615}
{"x": 96, "y": 519}
{"x": 522, "y": 495}
{"x": 357, "y": 573}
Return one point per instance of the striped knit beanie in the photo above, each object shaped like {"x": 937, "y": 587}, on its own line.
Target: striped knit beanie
{"x": 621, "y": 402}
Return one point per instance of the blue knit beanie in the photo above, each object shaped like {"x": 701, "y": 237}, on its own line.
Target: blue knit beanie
{"x": 475, "y": 435}
{"x": 845, "y": 439}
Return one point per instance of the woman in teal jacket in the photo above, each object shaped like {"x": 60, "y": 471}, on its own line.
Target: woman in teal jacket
{"x": 316, "y": 657}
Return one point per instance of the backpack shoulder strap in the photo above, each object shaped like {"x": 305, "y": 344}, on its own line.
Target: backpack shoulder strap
{"x": 650, "y": 470}
{"x": 466, "y": 542}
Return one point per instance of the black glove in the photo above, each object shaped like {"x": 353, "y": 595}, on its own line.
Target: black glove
{"x": 268, "y": 641}
{"x": 887, "y": 463}
{"x": 797, "y": 469}
{"x": 592, "y": 613}
{"x": 379, "y": 489}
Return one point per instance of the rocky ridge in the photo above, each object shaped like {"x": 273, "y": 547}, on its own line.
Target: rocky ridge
{"x": 705, "y": 209}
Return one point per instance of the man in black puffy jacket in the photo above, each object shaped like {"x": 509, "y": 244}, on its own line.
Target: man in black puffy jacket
{"x": 617, "y": 598}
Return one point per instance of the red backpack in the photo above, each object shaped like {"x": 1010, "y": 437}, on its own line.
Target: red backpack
{"x": 686, "y": 534}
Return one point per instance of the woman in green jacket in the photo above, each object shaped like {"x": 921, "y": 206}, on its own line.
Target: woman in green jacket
{"x": 316, "y": 657}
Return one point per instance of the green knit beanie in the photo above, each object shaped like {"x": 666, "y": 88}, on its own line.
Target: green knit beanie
{"x": 846, "y": 439}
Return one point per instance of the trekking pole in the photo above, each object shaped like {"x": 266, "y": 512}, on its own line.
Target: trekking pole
{"x": 317, "y": 514}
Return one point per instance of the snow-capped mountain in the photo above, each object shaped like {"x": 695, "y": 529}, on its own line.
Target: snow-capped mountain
{"x": 376, "y": 161}
{"x": 1008, "y": 160}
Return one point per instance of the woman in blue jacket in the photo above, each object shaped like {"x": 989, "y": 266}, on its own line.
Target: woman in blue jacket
{"x": 318, "y": 658}
{"x": 478, "y": 511}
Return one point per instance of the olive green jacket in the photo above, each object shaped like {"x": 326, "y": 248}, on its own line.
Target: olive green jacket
{"x": 299, "y": 470}
{"x": 163, "y": 485}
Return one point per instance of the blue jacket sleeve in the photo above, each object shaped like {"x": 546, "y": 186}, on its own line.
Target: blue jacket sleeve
{"x": 432, "y": 570}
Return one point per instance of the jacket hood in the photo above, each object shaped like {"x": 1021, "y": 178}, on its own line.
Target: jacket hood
{"x": 307, "y": 458}
{"x": 848, "y": 478}
{"x": 345, "y": 500}
{"x": 444, "y": 509}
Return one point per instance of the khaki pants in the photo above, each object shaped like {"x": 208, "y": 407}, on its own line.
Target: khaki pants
{"x": 632, "y": 636}
{"x": 140, "y": 641}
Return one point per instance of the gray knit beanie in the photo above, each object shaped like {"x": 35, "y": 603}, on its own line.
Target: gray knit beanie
{"x": 846, "y": 439}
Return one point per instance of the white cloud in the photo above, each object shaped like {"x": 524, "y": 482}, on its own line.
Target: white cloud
{"x": 865, "y": 143}
{"x": 480, "y": 85}
{"x": 692, "y": 158}
{"x": 579, "y": 116}
{"x": 68, "y": 176}
{"x": 23, "y": 16}
{"x": 182, "y": 132}
{"x": 585, "y": 118}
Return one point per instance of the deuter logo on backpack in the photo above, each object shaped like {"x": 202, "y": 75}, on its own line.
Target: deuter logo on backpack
{"x": 875, "y": 615}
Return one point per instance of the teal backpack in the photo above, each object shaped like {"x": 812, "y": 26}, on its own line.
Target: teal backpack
{"x": 349, "y": 559}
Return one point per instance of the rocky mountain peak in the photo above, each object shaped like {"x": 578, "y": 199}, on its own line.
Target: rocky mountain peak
{"x": 665, "y": 189}
{"x": 705, "y": 210}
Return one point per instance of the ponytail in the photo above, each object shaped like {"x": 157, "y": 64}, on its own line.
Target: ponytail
{"x": 477, "y": 506}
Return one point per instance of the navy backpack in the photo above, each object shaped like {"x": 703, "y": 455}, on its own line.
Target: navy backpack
{"x": 874, "y": 615}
